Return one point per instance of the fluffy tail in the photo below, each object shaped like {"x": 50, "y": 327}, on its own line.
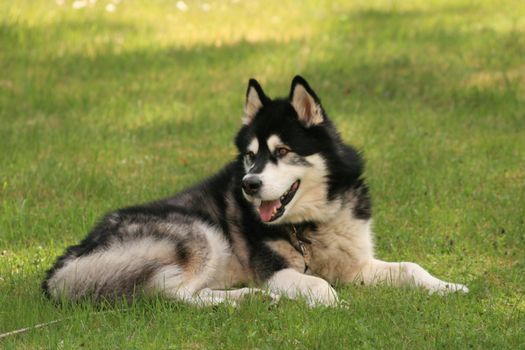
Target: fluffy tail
{"x": 108, "y": 272}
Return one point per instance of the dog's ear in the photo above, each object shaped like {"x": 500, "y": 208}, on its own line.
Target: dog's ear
{"x": 306, "y": 103}
{"x": 255, "y": 99}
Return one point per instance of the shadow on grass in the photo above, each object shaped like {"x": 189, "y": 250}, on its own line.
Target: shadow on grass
{"x": 417, "y": 60}
{"x": 87, "y": 110}
{"x": 378, "y": 56}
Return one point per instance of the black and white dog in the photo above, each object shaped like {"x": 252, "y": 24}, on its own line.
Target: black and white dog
{"x": 290, "y": 214}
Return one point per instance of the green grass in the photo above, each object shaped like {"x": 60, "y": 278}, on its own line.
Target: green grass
{"x": 99, "y": 110}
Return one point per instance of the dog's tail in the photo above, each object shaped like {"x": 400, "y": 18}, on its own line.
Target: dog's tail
{"x": 113, "y": 261}
{"x": 114, "y": 272}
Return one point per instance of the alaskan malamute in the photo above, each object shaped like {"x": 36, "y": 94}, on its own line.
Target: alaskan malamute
{"x": 289, "y": 216}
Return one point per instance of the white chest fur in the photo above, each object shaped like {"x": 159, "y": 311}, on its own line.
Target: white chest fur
{"x": 340, "y": 247}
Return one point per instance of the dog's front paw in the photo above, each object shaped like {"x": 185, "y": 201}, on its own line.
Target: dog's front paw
{"x": 293, "y": 284}
{"x": 321, "y": 293}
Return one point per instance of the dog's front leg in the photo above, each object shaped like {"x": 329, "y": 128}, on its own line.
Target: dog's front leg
{"x": 293, "y": 284}
{"x": 406, "y": 274}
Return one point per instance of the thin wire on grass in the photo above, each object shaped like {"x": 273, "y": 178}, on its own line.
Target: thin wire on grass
{"x": 45, "y": 324}
{"x": 26, "y": 329}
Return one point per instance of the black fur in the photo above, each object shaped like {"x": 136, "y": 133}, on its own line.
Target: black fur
{"x": 278, "y": 117}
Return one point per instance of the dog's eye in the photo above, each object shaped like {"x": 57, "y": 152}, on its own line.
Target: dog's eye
{"x": 250, "y": 155}
{"x": 281, "y": 151}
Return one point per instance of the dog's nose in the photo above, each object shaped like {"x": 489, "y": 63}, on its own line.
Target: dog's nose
{"x": 251, "y": 184}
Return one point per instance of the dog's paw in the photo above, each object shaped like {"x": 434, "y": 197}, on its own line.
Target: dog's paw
{"x": 444, "y": 288}
{"x": 293, "y": 284}
{"x": 321, "y": 293}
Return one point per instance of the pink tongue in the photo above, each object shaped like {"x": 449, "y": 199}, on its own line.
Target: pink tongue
{"x": 266, "y": 209}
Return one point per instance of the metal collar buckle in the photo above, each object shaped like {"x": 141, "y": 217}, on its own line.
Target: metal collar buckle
{"x": 301, "y": 246}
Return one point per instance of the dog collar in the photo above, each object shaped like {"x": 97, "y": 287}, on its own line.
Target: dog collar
{"x": 302, "y": 245}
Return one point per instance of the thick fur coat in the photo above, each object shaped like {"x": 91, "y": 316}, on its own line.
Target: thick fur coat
{"x": 289, "y": 216}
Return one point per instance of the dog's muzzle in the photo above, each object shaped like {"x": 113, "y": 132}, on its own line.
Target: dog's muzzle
{"x": 251, "y": 184}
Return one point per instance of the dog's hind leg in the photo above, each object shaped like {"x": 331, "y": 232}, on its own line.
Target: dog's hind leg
{"x": 405, "y": 274}
{"x": 194, "y": 278}
{"x": 234, "y": 295}
{"x": 170, "y": 281}
{"x": 175, "y": 259}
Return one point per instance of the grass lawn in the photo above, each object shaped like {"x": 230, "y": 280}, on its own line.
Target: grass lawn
{"x": 100, "y": 109}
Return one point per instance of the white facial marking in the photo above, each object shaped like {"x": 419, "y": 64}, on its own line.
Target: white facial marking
{"x": 310, "y": 202}
{"x": 273, "y": 141}
{"x": 277, "y": 179}
{"x": 253, "y": 146}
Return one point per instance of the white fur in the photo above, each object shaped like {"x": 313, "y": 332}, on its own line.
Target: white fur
{"x": 274, "y": 141}
{"x": 277, "y": 179}
{"x": 341, "y": 246}
{"x": 253, "y": 146}
{"x": 294, "y": 284}
{"x": 406, "y": 274}
{"x": 309, "y": 202}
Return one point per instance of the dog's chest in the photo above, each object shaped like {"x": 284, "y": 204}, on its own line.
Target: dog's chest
{"x": 339, "y": 248}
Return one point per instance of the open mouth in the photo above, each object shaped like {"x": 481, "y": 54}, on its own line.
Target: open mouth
{"x": 272, "y": 210}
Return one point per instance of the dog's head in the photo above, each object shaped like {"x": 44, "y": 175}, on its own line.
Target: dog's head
{"x": 286, "y": 147}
